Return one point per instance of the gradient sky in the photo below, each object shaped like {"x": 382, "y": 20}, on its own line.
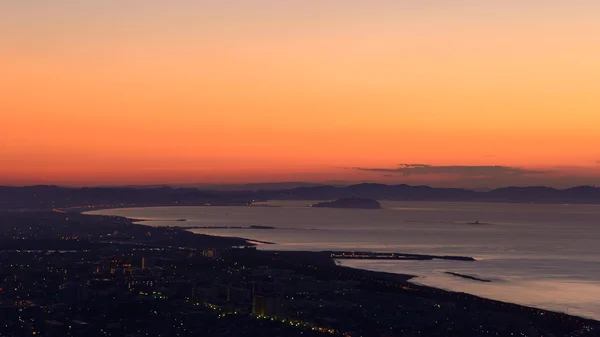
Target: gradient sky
{"x": 142, "y": 92}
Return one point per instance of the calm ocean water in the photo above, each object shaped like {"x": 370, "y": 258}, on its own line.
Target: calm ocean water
{"x": 546, "y": 256}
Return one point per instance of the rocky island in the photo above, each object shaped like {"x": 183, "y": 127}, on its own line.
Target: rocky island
{"x": 359, "y": 203}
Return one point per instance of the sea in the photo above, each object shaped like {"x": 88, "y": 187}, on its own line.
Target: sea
{"x": 545, "y": 256}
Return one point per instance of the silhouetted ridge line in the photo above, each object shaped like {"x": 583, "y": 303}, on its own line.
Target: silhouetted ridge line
{"x": 48, "y": 196}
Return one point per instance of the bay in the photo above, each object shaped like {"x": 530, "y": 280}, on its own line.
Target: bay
{"x": 547, "y": 256}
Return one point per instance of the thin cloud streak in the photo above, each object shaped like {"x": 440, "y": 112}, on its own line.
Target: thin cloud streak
{"x": 461, "y": 170}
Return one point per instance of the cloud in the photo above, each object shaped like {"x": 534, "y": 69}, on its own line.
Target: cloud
{"x": 460, "y": 170}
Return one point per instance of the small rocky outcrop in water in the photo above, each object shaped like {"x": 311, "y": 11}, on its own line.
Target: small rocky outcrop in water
{"x": 358, "y": 203}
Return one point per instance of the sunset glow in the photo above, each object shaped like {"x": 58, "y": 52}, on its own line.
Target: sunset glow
{"x": 150, "y": 92}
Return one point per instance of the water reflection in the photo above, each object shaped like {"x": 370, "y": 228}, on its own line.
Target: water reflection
{"x": 541, "y": 255}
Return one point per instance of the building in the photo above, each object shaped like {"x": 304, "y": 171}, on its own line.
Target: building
{"x": 267, "y": 289}
{"x": 210, "y": 253}
{"x": 148, "y": 262}
{"x": 238, "y": 295}
{"x": 266, "y": 305}
{"x": 266, "y": 299}
{"x": 74, "y": 293}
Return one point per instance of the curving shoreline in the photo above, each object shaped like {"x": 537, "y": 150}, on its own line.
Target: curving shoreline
{"x": 252, "y": 242}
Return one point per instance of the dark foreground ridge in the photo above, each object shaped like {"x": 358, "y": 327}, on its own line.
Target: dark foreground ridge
{"x": 69, "y": 274}
{"x": 359, "y": 203}
{"x": 82, "y": 199}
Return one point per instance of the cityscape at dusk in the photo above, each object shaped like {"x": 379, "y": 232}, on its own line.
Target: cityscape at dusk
{"x": 300, "y": 168}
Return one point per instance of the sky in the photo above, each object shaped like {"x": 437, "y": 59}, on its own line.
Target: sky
{"x": 448, "y": 93}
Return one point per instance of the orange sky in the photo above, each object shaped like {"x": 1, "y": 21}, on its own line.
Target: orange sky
{"x": 103, "y": 92}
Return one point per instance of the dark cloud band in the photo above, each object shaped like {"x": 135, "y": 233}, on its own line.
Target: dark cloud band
{"x": 461, "y": 170}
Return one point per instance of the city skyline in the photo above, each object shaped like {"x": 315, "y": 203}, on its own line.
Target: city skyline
{"x": 463, "y": 94}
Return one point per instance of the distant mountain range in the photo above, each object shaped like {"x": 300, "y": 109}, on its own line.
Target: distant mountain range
{"x": 254, "y": 186}
{"x": 44, "y": 197}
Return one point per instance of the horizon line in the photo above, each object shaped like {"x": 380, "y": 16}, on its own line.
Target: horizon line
{"x": 198, "y": 186}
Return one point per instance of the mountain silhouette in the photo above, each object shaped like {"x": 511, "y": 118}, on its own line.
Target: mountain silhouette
{"x": 48, "y": 197}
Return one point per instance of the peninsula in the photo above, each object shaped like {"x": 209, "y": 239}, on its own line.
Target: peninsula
{"x": 360, "y": 203}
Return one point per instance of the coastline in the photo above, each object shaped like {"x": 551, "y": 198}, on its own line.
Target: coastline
{"x": 140, "y": 222}
{"x": 260, "y": 203}
{"x": 315, "y": 261}
{"x": 398, "y": 277}
{"x": 84, "y": 209}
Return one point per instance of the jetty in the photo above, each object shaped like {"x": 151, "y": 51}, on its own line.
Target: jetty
{"x": 357, "y": 255}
